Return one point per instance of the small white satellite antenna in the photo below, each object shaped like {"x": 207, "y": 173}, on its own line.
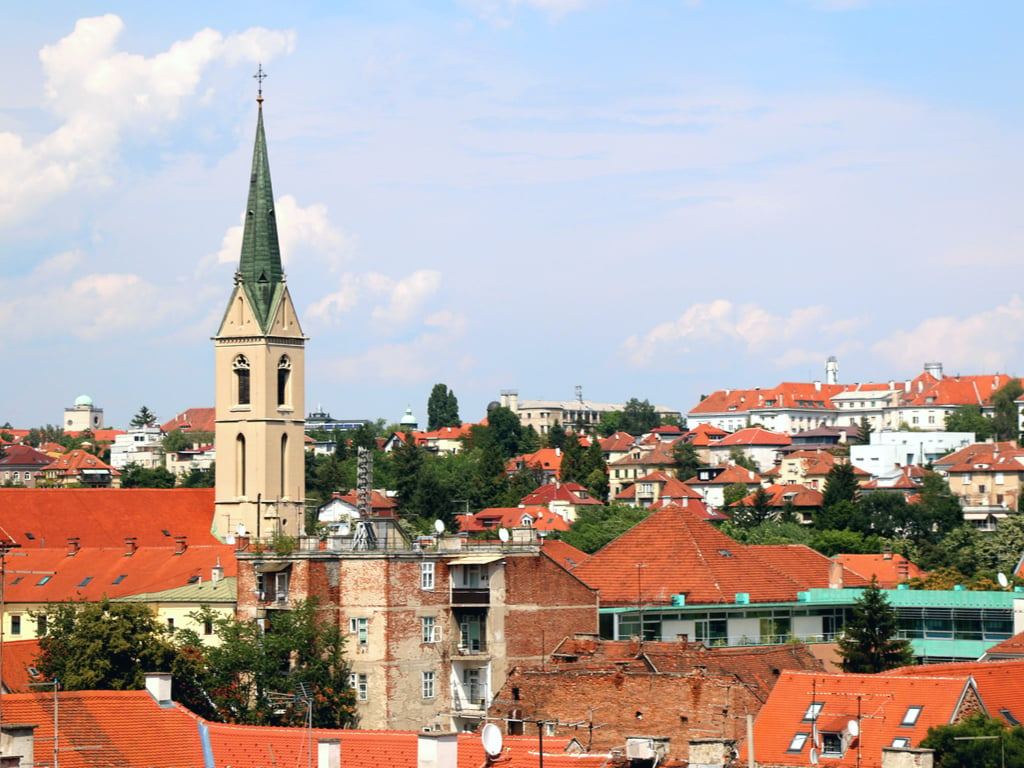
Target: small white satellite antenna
{"x": 503, "y": 535}
{"x": 229, "y": 539}
{"x": 439, "y": 526}
{"x": 814, "y": 756}
{"x": 490, "y": 737}
{"x": 1003, "y": 581}
{"x": 240, "y": 530}
{"x": 853, "y": 728}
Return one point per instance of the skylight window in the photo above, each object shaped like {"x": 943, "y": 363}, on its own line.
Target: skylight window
{"x": 798, "y": 742}
{"x": 43, "y": 581}
{"x": 1009, "y": 717}
{"x": 30, "y": 536}
{"x": 813, "y": 711}
{"x": 910, "y": 718}
{"x": 85, "y": 581}
{"x": 725, "y": 553}
{"x": 120, "y": 578}
{"x": 901, "y": 742}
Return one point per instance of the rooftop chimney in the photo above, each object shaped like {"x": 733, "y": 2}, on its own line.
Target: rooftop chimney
{"x": 17, "y": 744}
{"x": 130, "y": 546}
{"x": 73, "y": 546}
{"x": 437, "y": 750}
{"x": 180, "y": 544}
{"x": 328, "y": 753}
{"x": 835, "y": 574}
{"x": 158, "y": 685}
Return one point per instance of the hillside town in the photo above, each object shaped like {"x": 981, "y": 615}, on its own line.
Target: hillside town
{"x": 797, "y": 574}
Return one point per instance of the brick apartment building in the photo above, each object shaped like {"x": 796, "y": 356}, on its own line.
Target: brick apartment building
{"x": 434, "y": 626}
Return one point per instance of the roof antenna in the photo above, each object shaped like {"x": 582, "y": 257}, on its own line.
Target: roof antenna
{"x": 260, "y": 77}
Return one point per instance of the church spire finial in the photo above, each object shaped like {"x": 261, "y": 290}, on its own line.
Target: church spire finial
{"x": 260, "y": 76}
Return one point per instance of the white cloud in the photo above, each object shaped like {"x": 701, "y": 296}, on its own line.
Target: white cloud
{"x": 989, "y": 341}
{"x": 398, "y": 301}
{"x": 100, "y": 92}
{"x": 750, "y": 326}
{"x": 306, "y": 231}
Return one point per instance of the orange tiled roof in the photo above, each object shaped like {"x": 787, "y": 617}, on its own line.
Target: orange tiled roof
{"x": 545, "y": 458}
{"x": 955, "y": 390}
{"x": 889, "y": 570}
{"x": 682, "y": 553}
{"x": 564, "y": 554}
{"x": 19, "y": 658}
{"x": 755, "y": 436}
{"x": 568, "y": 492}
{"x": 617, "y": 442}
{"x": 512, "y": 517}
{"x": 72, "y": 463}
{"x": 883, "y": 702}
{"x": 798, "y": 495}
{"x": 192, "y": 420}
{"x": 94, "y": 572}
{"x": 733, "y": 473}
{"x": 104, "y": 517}
{"x": 1014, "y": 647}
{"x": 984, "y": 457}
{"x": 999, "y": 682}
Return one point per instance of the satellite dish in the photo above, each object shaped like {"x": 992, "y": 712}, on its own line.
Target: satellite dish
{"x": 490, "y": 737}
{"x": 853, "y": 728}
{"x": 503, "y": 535}
{"x": 814, "y": 756}
{"x": 439, "y": 526}
{"x": 1003, "y": 581}
{"x": 229, "y": 539}
{"x": 240, "y": 530}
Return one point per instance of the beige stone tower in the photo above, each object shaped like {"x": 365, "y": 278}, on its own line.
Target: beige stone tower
{"x": 260, "y": 380}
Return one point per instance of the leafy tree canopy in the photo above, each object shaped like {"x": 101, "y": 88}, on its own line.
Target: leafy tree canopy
{"x": 969, "y": 418}
{"x": 687, "y": 460}
{"x": 869, "y": 642}
{"x": 596, "y": 526}
{"x": 442, "y": 408}
{"x": 136, "y": 476}
{"x": 979, "y": 741}
{"x": 1006, "y": 416}
{"x": 638, "y": 416}
{"x": 103, "y": 645}
{"x": 738, "y": 457}
{"x": 144, "y": 418}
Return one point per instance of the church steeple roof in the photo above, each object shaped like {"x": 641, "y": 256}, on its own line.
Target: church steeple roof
{"x": 259, "y": 267}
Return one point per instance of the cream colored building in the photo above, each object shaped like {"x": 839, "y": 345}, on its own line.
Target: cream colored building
{"x": 82, "y": 415}
{"x": 260, "y": 381}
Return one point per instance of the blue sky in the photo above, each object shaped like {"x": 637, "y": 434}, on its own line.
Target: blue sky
{"x": 647, "y": 199}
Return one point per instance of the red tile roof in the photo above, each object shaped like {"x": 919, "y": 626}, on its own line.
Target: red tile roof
{"x": 999, "y": 682}
{"x": 193, "y": 420}
{"x": 1012, "y": 648}
{"x": 617, "y": 442}
{"x": 103, "y": 517}
{"x": 564, "y": 554}
{"x": 23, "y": 456}
{"x": 73, "y": 463}
{"x": 17, "y": 674}
{"x": 546, "y": 458}
{"x": 573, "y": 493}
{"x": 494, "y": 518}
{"x": 984, "y": 457}
{"x": 889, "y": 570}
{"x": 796, "y": 494}
{"x": 704, "y": 434}
{"x": 878, "y": 702}
{"x": 755, "y": 436}
{"x": 680, "y": 553}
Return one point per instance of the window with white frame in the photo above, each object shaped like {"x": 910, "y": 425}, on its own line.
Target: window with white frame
{"x": 910, "y": 718}
{"x": 427, "y": 684}
{"x": 797, "y": 744}
{"x": 359, "y": 683}
{"x": 427, "y": 576}
{"x": 430, "y": 629}
{"x": 813, "y": 711}
{"x": 901, "y": 742}
{"x": 360, "y": 627}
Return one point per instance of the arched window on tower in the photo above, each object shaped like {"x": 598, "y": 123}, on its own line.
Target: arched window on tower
{"x": 284, "y": 381}
{"x": 242, "y": 378}
{"x": 284, "y": 466}
{"x": 240, "y": 465}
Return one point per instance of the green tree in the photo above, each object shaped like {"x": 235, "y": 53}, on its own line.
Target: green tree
{"x": 969, "y": 418}
{"x": 937, "y": 511}
{"x": 556, "y": 436}
{"x": 889, "y": 515}
{"x": 506, "y": 430}
{"x": 197, "y": 477}
{"x": 740, "y": 459}
{"x": 687, "y": 460}
{"x": 831, "y": 542}
{"x": 144, "y": 418}
{"x": 842, "y": 516}
{"x": 406, "y": 462}
{"x": 136, "y": 476}
{"x": 759, "y": 510}
{"x": 573, "y": 467}
{"x": 638, "y": 417}
{"x": 864, "y": 431}
{"x": 840, "y": 484}
{"x": 610, "y": 423}
{"x": 253, "y": 665}
{"x": 869, "y": 642}
{"x": 102, "y": 646}
{"x": 978, "y": 741}
{"x": 769, "y": 532}
{"x": 733, "y": 493}
{"x": 596, "y": 526}
{"x": 1006, "y": 414}
{"x": 442, "y": 408}
{"x": 596, "y": 471}
{"x": 179, "y": 440}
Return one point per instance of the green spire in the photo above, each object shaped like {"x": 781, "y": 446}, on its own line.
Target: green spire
{"x": 260, "y": 265}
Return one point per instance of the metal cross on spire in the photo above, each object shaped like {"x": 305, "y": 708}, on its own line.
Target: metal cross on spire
{"x": 260, "y": 77}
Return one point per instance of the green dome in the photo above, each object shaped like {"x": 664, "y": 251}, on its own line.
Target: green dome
{"x": 83, "y": 400}
{"x": 408, "y": 419}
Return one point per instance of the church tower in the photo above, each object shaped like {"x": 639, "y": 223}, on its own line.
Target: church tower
{"x": 260, "y": 379}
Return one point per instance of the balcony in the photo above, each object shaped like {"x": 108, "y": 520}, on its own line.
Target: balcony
{"x": 469, "y": 648}
{"x": 471, "y": 596}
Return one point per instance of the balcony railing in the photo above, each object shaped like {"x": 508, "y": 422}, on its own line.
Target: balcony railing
{"x": 471, "y": 595}
{"x": 469, "y": 648}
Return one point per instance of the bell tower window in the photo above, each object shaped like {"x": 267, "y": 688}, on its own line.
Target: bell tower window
{"x": 242, "y": 379}
{"x": 284, "y": 381}
{"x": 240, "y": 465}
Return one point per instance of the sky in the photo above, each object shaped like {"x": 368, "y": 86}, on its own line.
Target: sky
{"x": 644, "y": 199}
